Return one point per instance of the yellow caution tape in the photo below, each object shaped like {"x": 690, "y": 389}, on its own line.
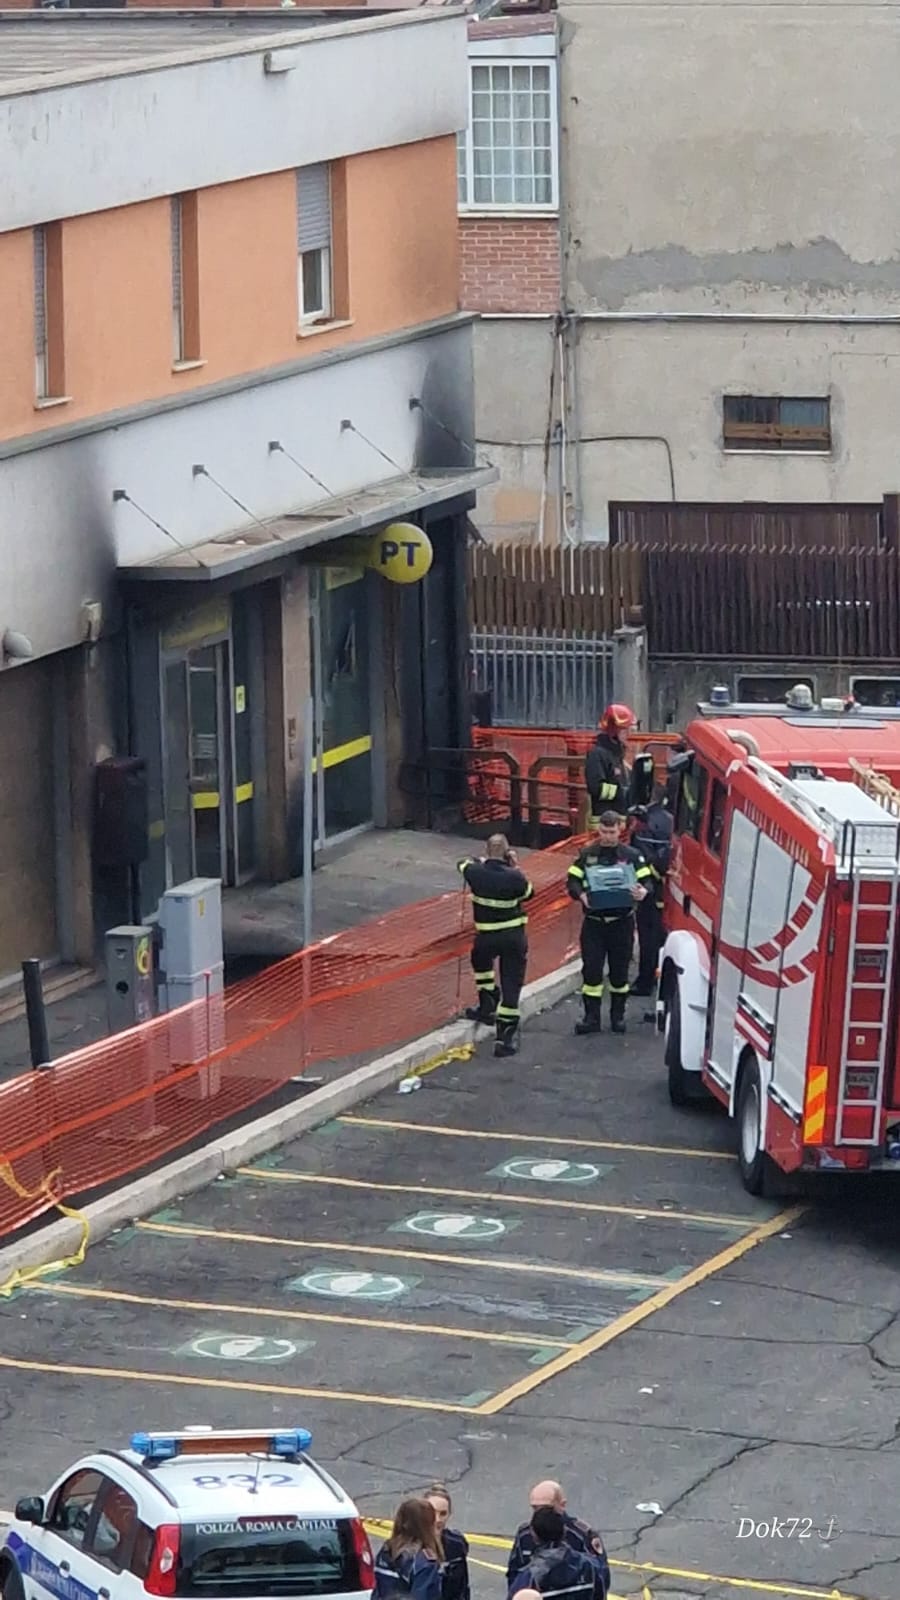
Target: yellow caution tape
{"x": 457, "y": 1052}
{"x": 22, "y": 1276}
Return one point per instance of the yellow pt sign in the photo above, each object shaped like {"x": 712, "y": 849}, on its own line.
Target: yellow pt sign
{"x": 401, "y": 552}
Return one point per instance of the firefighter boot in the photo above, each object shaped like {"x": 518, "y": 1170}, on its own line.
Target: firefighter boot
{"x": 507, "y": 1039}
{"x": 592, "y": 1021}
{"x": 617, "y": 1013}
{"x": 486, "y": 1009}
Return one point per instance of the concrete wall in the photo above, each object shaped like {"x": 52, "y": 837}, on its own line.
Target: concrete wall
{"x": 56, "y": 505}
{"x": 724, "y": 159}
{"x": 676, "y": 687}
{"x": 513, "y": 363}
{"x": 121, "y": 138}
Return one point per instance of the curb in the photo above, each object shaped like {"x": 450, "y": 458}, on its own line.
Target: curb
{"x": 225, "y": 1154}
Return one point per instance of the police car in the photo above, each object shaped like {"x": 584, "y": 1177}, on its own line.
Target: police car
{"x": 200, "y": 1514}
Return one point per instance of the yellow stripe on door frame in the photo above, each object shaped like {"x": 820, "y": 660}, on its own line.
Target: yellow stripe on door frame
{"x": 344, "y": 752}
{"x": 210, "y": 799}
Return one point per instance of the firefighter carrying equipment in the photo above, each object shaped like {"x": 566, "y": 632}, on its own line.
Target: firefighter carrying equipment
{"x": 607, "y": 937}
{"x": 606, "y": 776}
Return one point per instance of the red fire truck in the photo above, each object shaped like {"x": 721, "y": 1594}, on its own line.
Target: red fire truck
{"x": 779, "y": 970}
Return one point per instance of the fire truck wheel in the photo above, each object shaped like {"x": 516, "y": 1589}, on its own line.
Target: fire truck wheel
{"x": 679, "y": 1088}
{"x": 756, "y": 1168}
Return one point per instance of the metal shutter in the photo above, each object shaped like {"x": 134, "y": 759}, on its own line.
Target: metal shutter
{"x": 176, "y": 251}
{"x": 27, "y": 816}
{"x": 313, "y": 208}
{"x": 40, "y": 292}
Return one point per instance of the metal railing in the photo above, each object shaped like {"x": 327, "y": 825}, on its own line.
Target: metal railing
{"x": 551, "y": 680}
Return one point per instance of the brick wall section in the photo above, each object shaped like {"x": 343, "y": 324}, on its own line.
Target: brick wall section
{"x": 509, "y": 263}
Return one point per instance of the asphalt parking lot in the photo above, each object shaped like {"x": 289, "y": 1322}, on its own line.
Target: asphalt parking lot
{"x": 532, "y": 1267}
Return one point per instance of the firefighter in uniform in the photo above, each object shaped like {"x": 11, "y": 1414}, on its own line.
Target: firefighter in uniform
{"x": 607, "y": 937}
{"x": 652, "y": 837}
{"x": 605, "y": 773}
{"x": 499, "y": 890}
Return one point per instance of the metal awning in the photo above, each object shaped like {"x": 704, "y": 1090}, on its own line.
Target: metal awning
{"x": 257, "y": 543}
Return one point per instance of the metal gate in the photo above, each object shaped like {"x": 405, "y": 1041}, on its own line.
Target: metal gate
{"x": 550, "y": 680}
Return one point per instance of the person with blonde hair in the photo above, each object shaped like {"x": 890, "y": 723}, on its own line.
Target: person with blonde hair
{"x": 455, "y": 1583}
{"x": 410, "y": 1562}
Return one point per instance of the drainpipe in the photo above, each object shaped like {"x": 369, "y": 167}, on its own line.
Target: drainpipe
{"x": 567, "y": 330}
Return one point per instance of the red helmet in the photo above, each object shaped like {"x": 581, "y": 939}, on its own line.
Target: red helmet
{"x": 617, "y": 719}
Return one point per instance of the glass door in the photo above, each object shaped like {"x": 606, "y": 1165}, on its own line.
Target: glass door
{"x": 340, "y": 637}
{"x": 209, "y": 760}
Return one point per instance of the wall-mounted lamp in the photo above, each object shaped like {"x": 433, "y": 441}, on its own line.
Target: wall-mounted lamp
{"x": 16, "y": 646}
{"x": 276, "y": 61}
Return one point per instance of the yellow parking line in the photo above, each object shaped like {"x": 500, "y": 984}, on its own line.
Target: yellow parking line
{"x": 629, "y": 1319}
{"x": 69, "y": 1369}
{"x": 641, "y": 1213}
{"x": 119, "y": 1297}
{"x": 627, "y": 1280}
{"x": 539, "y": 1140}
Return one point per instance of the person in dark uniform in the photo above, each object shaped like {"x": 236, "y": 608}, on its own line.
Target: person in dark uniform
{"x": 455, "y": 1583}
{"x": 554, "y": 1568}
{"x": 576, "y": 1534}
{"x": 605, "y": 773}
{"x": 652, "y": 836}
{"x": 410, "y": 1561}
{"x": 607, "y": 929}
{"x": 499, "y": 891}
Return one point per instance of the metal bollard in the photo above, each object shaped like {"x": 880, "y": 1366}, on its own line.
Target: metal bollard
{"x": 38, "y": 1038}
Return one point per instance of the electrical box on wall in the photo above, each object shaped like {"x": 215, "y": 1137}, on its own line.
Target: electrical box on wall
{"x": 121, "y": 818}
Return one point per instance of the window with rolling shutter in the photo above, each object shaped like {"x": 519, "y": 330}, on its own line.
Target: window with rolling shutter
{"x": 177, "y": 280}
{"x": 314, "y": 243}
{"x": 40, "y": 315}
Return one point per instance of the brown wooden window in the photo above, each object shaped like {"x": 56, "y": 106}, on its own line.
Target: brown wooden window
{"x": 185, "y": 281}
{"x": 775, "y": 422}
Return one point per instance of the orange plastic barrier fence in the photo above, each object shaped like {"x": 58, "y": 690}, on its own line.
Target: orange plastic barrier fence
{"x": 119, "y": 1105}
{"x": 560, "y": 783}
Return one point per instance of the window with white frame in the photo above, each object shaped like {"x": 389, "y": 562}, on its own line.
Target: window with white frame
{"x": 507, "y": 158}
{"x": 314, "y": 289}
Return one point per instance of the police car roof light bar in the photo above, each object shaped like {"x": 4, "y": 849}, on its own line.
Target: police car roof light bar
{"x": 158, "y": 1447}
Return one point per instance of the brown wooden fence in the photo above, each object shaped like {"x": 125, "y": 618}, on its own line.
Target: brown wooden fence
{"x": 839, "y": 605}
{"x": 534, "y": 588}
{"x": 755, "y": 526}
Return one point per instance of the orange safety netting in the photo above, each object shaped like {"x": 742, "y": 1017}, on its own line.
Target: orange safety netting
{"x": 117, "y": 1106}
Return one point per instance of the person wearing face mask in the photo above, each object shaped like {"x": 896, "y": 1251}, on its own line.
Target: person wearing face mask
{"x": 455, "y": 1571}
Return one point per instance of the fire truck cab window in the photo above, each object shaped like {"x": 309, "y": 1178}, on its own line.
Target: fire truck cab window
{"x": 692, "y": 800}
{"x": 715, "y": 827}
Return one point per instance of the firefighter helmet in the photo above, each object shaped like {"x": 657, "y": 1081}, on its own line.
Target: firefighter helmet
{"x": 617, "y": 719}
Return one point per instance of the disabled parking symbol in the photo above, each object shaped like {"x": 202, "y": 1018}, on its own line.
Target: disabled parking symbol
{"x": 461, "y": 1226}
{"x": 547, "y": 1170}
{"x": 244, "y": 1347}
{"x": 352, "y": 1285}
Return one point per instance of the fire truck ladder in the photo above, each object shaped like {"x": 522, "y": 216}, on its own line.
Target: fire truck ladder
{"x": 873, "y": 921}
{"x": 865, "y": 1042}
